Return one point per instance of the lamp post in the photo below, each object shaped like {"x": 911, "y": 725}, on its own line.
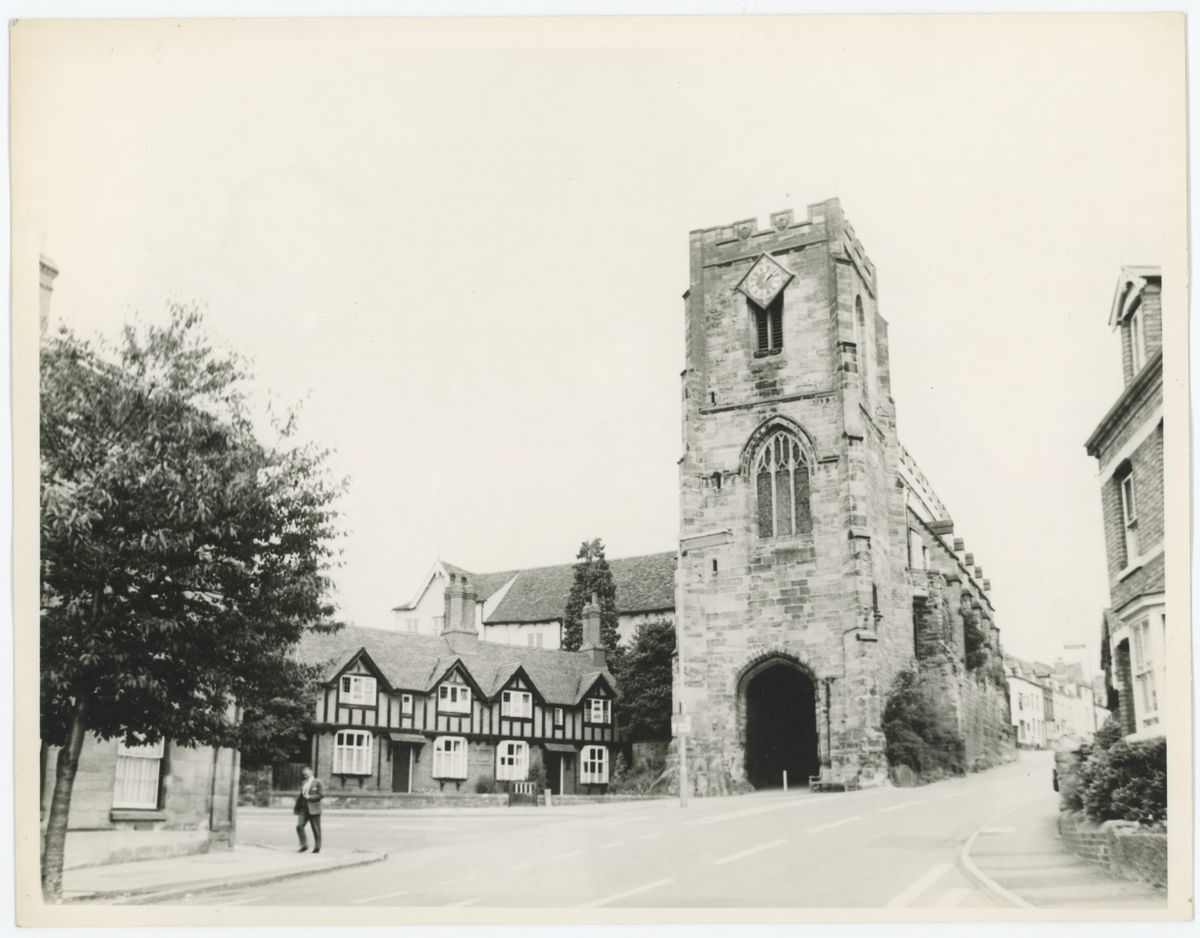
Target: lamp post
{"x": 682, "y": 719}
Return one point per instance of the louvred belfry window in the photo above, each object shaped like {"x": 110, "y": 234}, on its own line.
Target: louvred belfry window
{"x": 768, "y": 322}
{"x": 781, "y": 479}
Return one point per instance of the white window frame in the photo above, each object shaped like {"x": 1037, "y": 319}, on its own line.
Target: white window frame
{"x": 599, "y": 710}
{"x": 1137, "y": 339}
{"x": 535, "y": 640}
{"x": 454, "y": 698}
{"x": 1142, "y": 645}
{"x": 516, "y": 703}
{"x": 406, "y": 705}
{"x": 450, "y": 757}
{"x": 512, "y": 760}
{"x": 353, "y": 752}
{"x": 1128, "y": 495}
{"x": 138, "y": 776}
{"x": 558, "y": 718}
{"x": 593, "y": 765}
{"x": 357, "y": 690}
{"x": 412, "y": 625}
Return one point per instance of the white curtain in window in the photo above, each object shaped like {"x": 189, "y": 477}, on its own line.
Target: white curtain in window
{"x": 137, "y": 776}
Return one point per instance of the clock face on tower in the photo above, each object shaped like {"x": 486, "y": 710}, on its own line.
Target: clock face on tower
{"x": 767, "y": 277}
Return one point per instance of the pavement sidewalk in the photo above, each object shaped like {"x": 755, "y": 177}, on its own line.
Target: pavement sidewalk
{"x": 175, "y": 877}
{"x": 1020, "y": 858}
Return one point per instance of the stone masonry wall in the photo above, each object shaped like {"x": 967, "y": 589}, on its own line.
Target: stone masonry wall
{"x": 835, "y": 603}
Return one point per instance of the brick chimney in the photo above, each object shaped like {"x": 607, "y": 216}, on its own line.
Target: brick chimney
{"x": 458, "y": 621}
{"x": 592, "y": 642}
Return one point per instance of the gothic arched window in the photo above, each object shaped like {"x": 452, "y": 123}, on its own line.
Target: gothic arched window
{"x": 781, "y": 480}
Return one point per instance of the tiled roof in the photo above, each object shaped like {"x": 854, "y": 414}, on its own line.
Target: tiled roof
{"x": 416, "y": 662}
{"x": 644, "y": 584}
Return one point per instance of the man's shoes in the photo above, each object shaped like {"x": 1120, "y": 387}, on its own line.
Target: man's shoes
{"x": 317, "y": 850}
{"x": 302, "y": 849}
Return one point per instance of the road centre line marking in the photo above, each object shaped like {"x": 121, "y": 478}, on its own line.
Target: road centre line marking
{"x": 748, "y": 812}
{"x": 386, "y": 895}
{"x": 247, "y": 900}
{"x": 650, "y": 836}
{"x": 753, "y": 850}
{"x": 569, "y": 853}
{"x": 906, "y": 897}
{"x": 833, "y": 824}
{"x": 615, "y": 843}
{"x": 463, "y": 902}
{"x": 897, "y": 807}
{"x": 952, "y": 899}
{"x": 422, "y": 827}
{"x": 957, "y": 794}
{"x": 457, "y": 880}
{"x": 998, "y": 830}
{"x": 636, "y": 890}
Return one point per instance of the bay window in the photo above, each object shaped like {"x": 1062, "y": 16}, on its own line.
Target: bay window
{"x": 352, "y": 752}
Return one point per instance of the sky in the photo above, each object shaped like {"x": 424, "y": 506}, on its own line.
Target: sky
{"x": 463, "y": 248}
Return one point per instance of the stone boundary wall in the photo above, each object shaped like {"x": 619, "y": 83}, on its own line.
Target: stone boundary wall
{"x": 1121, "y": 848}
{"x": 388, "y": 802}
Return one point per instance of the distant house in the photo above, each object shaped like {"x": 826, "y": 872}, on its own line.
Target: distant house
{"x": 406, "y": 712}
{"x": 1128, "y": 446}
{"x": 1027, "y": 693}
{"x": 525, "y": 607}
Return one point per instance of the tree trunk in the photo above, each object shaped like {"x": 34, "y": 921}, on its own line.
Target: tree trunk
{"x": 55, "y": 843}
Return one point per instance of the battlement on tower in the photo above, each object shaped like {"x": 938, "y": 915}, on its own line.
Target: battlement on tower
{"x": 825, "y": 223}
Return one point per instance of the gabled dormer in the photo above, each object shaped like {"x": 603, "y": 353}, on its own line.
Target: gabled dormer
{"x": 359, "y": 682}
{"x": 597, "y": 701}
{"x": 518, "y": 695}
{"x": 455, "y": 689}
{"x": 1137, "y": 317}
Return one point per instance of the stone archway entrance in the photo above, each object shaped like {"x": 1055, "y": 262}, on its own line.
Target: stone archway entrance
{"x": 780, "y": 709}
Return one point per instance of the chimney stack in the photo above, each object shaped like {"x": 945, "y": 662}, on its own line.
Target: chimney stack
{"x": 458, "y": 622}
{"x": 592, "y": 643}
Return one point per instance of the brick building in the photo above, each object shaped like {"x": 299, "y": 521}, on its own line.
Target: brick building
{"x": 816, "y": 562}
{"x": 525, "y": 607}
{"x": 406, "y": 713}
{"x": 1128, "y": 445}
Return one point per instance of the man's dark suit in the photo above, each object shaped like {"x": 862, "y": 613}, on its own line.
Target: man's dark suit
{"x": 308, "y": 811}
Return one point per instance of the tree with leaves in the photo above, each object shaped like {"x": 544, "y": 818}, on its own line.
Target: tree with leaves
{"x": 592, "y": 576}
{"x": 644, "y": 676}
{"x": 182, "y": 557}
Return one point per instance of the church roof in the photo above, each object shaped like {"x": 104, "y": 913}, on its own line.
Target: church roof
{"x": 418, "y": 662}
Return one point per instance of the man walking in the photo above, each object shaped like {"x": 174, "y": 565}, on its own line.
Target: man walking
{"x": 308, "y": 809}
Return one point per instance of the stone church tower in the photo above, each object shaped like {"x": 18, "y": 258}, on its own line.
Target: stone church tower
{"x": 794, "y": 601}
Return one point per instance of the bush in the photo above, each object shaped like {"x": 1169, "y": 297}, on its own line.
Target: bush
{"x": 484, "y": 787}
{"x": 915, "y": 735}
{"x": 1108, "y": 735}
{"x": 537, "y": 775}
{"x": 1125, "y": 781}
{"x": 636, "y": 780}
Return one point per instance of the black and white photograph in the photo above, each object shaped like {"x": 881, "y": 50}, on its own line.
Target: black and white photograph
{"x": 617, "y": 469}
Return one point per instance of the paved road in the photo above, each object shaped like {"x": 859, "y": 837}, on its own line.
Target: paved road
{"x": 888, "y": 848}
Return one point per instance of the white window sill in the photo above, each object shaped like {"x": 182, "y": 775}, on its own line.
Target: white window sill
{"x": 1138, "y": 562}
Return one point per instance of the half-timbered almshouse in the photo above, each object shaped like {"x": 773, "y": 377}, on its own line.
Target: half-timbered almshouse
{"x": 406, "y": 713}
